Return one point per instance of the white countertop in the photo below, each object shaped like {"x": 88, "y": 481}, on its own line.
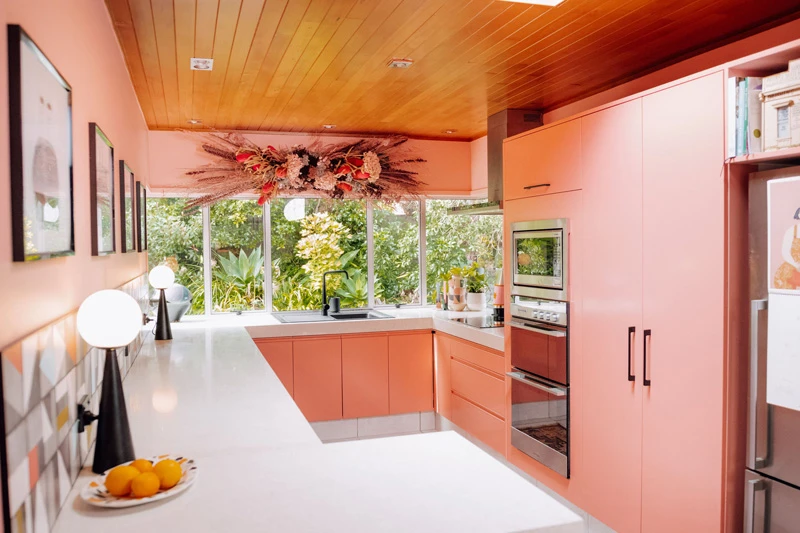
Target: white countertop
{"x": 209, "y": 395}
{"x": 261, "y": 325}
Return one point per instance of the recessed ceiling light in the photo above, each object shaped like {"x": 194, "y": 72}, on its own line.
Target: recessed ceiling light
{"x": 194, "y": 121}
{"x": 449, "y": 132}
{"x": 201, "y": 63}
{"x": 397, "y": 62}
{"x": 329, "y": 126}
{"x": 536, "y": 2}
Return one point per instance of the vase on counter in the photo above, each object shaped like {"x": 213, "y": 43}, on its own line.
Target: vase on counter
{"x": 476, "y": 301}
{"x": 456, "y": 296}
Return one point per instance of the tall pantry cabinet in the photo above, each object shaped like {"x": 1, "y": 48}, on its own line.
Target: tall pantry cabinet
{"x": 653, "y": 293}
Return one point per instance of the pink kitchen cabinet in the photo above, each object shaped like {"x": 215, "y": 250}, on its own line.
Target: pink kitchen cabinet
{"x": 410, "y": 372}
{"x": 612, "y": 304}
{"x": 278, "y": 353}
{"x": 547, "y": 161}
{"x": 318, "y": 377}
{"x": 365, "y": 375}
{"x": 684, "y": 287}
{"x": 441, "y": 354}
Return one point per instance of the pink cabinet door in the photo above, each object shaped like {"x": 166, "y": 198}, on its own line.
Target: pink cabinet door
{"x": 683, "y": 306}
{"x": 278, "y": 354}
{"x": 546, "y": 161}
{"x": 318, "y": 377}
{"x": 365, "y": 376}
{"x": 441, "y": 354}
{"x": 410, "y": 372}
{"x": 612, "y": 303}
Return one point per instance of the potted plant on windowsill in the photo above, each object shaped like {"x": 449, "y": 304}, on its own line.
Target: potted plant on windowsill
{"x": 456, "y": 298}
{"x": 476, "y": 285}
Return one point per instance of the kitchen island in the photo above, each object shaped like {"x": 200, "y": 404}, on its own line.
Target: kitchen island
{"x": 209, "y": 395}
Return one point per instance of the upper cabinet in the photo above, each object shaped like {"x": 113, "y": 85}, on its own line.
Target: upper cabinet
{"x": 545, "y": 161}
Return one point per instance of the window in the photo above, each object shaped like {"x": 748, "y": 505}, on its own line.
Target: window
{"x": 305, "y": 237}
{"x": 396, "y": 243}
{"x": 310, "y": 236}
{"x": 459, "y": 240}
{"x": 177, "y": 240}
{"x": 237, "y": 256}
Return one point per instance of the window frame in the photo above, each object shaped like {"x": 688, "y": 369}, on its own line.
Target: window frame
{"x": 267, "y": 248}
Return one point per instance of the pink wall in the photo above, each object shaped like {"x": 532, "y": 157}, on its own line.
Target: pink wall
{"x": 447, "y": 172}
{"x": 719, "y": 56}
{"x": 78, "y": 37}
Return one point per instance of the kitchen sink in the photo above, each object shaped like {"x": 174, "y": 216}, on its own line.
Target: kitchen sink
{"x": 293, "y": 317}
{"x": 367, "y": 314}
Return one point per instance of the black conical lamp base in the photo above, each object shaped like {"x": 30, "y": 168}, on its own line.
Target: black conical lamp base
{"x": 114, "y": 444}
{"x": 163, "y": 329}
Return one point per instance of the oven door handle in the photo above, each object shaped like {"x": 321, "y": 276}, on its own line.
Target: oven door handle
{"x": 533, "y": 382}
{"x": 543, "y": 331}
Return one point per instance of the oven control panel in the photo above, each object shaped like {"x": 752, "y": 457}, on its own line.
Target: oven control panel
{"x": 547, "y": 311}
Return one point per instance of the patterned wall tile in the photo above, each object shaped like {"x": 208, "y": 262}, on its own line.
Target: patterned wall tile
{"x": 43, "y": 377}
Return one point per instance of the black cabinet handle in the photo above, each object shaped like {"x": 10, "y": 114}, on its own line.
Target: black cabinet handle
{"x": 631, "y": 332}
{"x": 529, "y": 187}
{"x": 644, "y": 358}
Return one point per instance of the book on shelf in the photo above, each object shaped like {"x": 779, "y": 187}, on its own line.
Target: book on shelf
{"x": 744, "y": 116}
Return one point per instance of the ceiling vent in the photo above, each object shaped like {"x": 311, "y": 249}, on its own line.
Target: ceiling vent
{"x": 400, "y": 62}
{"x": 201, "y": 63}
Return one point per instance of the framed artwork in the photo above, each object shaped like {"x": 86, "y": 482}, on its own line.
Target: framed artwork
{"x": 126, "y": 208}
{"x": 141, "y": 216}
{"x": 101, "y": 191}
{"x": 40, "y": 133}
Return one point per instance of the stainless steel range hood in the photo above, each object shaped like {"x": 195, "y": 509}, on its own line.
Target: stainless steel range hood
{"x": 500, "y": 126}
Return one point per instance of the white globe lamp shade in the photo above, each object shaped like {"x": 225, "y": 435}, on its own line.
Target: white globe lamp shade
{"x": 162, "y": 277}
{"x": 109, "y": 319}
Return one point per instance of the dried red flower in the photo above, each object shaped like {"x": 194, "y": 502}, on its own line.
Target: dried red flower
{"x": 360, "y": 175}
{"x": 343, "y": 185}
{"x": 243, "y": 156}
{"x": 256, "y": 167}
{"x": 355, "y": 161}
{"x": 271, "y": 148}
{"x": 262, "y": 200}
{"x": 267, "y": 188}
{"x": 280, "y": 172}
{"x": 344, "y": 169}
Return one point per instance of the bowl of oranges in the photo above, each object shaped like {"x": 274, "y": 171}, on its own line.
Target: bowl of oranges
{"x": 141, "y": 481}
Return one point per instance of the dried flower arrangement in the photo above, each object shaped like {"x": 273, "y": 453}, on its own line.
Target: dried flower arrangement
{"x": 367, "y": 168}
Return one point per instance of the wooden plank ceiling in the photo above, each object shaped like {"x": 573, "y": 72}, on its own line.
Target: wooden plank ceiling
{"x": 294, "y": 65}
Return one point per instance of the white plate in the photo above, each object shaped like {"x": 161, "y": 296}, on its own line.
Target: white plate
{"x": 95, "y": 493}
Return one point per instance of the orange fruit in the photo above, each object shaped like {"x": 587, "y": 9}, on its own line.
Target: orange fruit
{"x": 145, "y": 484}
{"x": 169, "y": 472}
{"x": 119, "y": 480}
{"x": 142, "y": 465}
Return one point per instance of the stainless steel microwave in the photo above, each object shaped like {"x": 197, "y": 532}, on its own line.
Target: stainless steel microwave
{"x": 539, "y": 258}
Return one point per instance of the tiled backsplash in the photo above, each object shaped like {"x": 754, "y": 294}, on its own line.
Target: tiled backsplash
{"x": 43, "y": 377}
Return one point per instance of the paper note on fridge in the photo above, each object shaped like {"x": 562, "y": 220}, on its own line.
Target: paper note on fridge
{"x": 783, "y": 350}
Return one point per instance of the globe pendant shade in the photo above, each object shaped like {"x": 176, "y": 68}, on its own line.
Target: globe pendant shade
{"x": 109, "y": 319}
{"x": 162, "y": 277}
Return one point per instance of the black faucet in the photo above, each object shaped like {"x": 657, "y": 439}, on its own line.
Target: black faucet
{"x": 325, "y": 305}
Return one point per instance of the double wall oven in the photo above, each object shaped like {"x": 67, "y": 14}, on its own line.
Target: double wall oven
{"x": 539, "y": 323}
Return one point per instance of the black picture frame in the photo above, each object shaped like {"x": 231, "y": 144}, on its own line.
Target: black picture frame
{"x": 141, "y": 216}
{"x": 127, "y": 206}
{"x": 101, "y": 192}
{"x": 42, "y": 207}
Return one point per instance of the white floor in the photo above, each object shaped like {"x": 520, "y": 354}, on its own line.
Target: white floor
{"x": 394, "y": 425}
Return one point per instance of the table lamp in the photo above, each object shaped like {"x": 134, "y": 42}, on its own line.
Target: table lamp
{"x": 162, "y": 277}
{"x": 110, "y": 319}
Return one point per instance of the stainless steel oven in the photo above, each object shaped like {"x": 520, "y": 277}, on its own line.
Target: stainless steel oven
{"x": 540, "y": 381}
{"x": 539, "y": 258}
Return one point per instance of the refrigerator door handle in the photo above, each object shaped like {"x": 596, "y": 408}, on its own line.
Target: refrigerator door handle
{"x": 753, "y": 508}
{"x": 758, "y": 429}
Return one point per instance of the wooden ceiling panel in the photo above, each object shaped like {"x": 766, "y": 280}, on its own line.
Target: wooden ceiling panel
{"x": 294, "y": 65}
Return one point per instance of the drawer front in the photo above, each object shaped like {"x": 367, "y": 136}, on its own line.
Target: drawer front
{"x": 478, "y": 357}
{"x": 479, "y": 423}
{"x": 478, "y": 387}
{"x": 544, "y": 162}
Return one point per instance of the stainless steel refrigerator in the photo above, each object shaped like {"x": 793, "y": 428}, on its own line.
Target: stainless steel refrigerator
{"x": 772, "y": 477}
